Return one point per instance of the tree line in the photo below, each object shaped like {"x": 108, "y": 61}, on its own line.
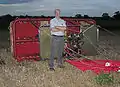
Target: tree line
{"x": 6, "y": 19}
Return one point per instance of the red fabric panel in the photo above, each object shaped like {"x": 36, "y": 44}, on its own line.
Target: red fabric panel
{"x": 27, "y": 48}
{"x": 22, "y": 58}
{"x": 25, "y": 29}
{"x": 96, "y": 66}
{"x": 72, "y": 27}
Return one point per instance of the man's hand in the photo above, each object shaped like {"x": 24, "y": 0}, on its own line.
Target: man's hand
{"x": 61, "y": 28}
{"x": 55, "y": 30}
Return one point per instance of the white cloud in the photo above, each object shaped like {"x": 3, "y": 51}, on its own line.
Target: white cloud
{"x": 68, "y": 7}
{"x": 10, "y": 5}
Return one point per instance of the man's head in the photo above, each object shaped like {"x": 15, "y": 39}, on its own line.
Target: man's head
{"x": 57, "y": 13}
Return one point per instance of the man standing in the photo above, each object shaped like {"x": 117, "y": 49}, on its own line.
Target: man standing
{"x": 58, "y": 27}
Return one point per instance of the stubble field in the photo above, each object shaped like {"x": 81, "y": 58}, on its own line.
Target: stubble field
{"x": 37, "y": 74}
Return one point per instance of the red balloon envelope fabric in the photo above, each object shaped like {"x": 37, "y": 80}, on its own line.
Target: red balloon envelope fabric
{"x": 96, "y": 66}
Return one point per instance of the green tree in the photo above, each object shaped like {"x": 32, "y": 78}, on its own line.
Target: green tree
{"x": 78, "y": 16}
{"x": 105, "y": 16}
{"x": 86, "y": 16}
{"x": 116, "y": 15}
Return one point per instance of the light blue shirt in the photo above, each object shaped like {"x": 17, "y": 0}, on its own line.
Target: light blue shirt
{"x": 57, "y": 22}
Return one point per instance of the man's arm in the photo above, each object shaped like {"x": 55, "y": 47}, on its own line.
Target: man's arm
{"x": 57, "y": 28}
{"x": 61, "y": 28}
{"x": 52, "y": 27}
{"x": 54, "y": 30}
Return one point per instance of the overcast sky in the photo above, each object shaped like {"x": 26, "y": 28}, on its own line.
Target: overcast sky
{"x": 68, "y": 7}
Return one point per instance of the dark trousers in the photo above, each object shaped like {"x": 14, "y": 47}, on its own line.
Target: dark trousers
{"x": 57, "y": 46}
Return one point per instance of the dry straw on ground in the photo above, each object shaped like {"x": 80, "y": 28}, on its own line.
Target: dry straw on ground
{"x": 37, "y": 74}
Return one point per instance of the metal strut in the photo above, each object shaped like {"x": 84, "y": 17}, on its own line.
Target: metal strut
{"x": 98, "y": 49}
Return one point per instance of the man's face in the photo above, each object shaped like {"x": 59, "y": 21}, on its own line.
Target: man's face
{"x": 57, "y": 13}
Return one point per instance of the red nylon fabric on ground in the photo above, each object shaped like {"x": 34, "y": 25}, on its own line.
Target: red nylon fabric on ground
{"x": 96, "y": 66}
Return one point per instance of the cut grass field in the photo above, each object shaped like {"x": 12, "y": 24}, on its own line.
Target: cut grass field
{"x": 37, "y": 74}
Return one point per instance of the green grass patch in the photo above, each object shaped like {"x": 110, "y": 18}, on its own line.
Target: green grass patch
{"x": 104, "y": 79}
